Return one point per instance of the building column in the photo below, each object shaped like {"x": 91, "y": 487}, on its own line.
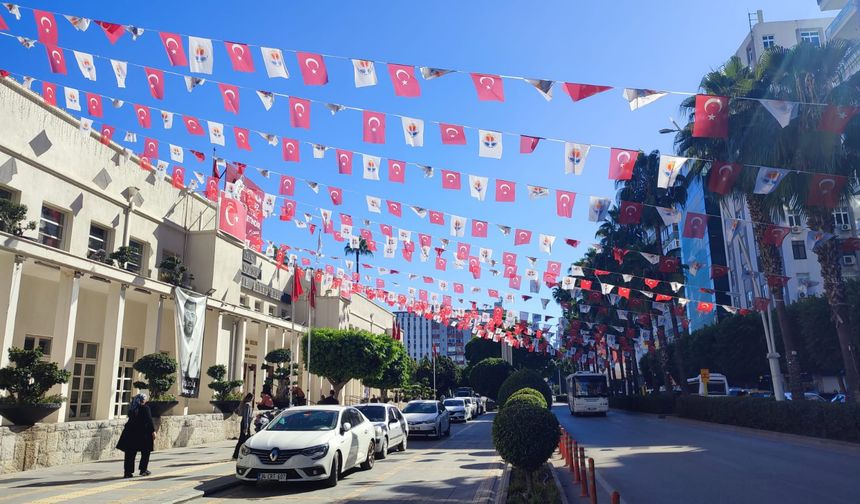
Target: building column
{"x": 109, "y": 352}
{"x": 11, "y": 269}
{"x": 239, "y": 350}
{"x": 262, "y": 350}
{"x": 152, "y": 333}
{"x": 65, "y": 318}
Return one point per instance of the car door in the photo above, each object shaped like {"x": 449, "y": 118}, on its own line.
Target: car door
{"x": 404, "y": 426}
{"x": 395, "y": 430}
{"x": 350, "y": 443}
{"x": 444, "y": 420}
{"x": 364, "y": 434}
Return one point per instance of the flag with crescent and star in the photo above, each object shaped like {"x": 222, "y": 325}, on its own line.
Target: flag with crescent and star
{"x": 712, "y": 117}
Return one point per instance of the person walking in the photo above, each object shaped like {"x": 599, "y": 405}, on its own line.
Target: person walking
{"x": 138, "y": 435}
{"x": 331, "y": 399}
{"x": 245, "y": 410}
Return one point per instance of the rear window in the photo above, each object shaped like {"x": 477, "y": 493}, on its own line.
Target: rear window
{"x": 454, "y": 402}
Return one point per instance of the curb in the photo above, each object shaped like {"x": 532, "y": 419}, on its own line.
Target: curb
{"x": 554, "y": 470}
{"x": 502, "y": 493}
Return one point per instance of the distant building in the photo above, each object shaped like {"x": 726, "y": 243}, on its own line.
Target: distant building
{"x": 765, "y": 34}
{"x": 420, "y": 334}
{"x": 846, "y": 24}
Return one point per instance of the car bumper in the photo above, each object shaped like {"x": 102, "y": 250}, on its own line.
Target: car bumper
{"x": 458, "y": 416}
{"x": 422, "y": 430}
{"x": 297, "y": 468}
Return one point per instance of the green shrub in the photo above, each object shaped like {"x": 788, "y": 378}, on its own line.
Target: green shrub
{"x": 528, "y": 393}
{"x": 516, "y": 401}
{"x": 224, "y": 389}
{"x": 525, "y": 437}
{"x": 160, "y": 372}
{"x": 661, "y": 404}
{"x": 29, "y": 378}
{"x": 488, "y": 375}
{"x": 524, "y": 378}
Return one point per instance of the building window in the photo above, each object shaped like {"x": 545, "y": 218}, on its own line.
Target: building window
{"x": 5, "y": 194}
{"x": 798, "y": 249}
{"x": 767, "y": 41}
{"x": 793, "y": 220}
{"x": 841, "y": 218}
{"x": 41, "y": 342}
{"x": 98, "y": 240}
{"x": 83, "y": 381}
{"x": 811, "y": 36}
{"x": 51, "y": 226}
{"x": 124, "y": 380}
{"x": 137, "y": 254}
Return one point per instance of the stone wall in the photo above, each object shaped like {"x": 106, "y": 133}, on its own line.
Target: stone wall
{"x": 47, "y": 444}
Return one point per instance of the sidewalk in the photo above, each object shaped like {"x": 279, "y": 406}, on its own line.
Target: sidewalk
{"x": 178, "y": 475}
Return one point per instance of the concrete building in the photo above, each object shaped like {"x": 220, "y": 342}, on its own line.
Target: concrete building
{"x": 420, "y": 334}
{"x": 846, "y": 24}
{"x": 765, "y": 34}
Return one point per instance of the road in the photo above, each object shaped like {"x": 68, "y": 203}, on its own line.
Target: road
{"x": 463, "y": 468}
{"x": 649, "y": 459}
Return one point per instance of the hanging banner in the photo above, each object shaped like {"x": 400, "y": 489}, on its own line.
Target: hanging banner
{"x": 252, "y": 196}
{"x": 190, "y": 319}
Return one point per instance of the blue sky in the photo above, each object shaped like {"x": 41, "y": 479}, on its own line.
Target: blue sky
{"x": 623, "y": 44}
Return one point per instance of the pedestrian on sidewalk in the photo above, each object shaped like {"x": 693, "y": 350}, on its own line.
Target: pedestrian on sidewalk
{"x": 138, "y": 435}
{"x": 245, "y": 410}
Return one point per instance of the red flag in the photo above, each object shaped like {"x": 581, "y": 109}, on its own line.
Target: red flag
{"x": 718, "y": 270}
{"x": 230, "y": 93}
{"x": 300, "y": 113}
{"x": 313, "y": 68}
{"x": 777, "y": 281}
{"x": 489, "y": 87}
{"x": 94, "y": 104}
{"x": 450, "y": 180}
{"x": 452, "y": 134}
{"x": 396, "y": 171}
{"x": 458, "y": 288}
{"x": 150, "y": 148}
{"x": 192, "y": 125}
{"x": 835, "y": 118}
{"x": 651, "y": 283}
{"x": 175, "y": 50}
{"x": 761, "y": 303}
{"x": 509, "y": 271}
{"x": 463, "y": 251}
{"x": 695, "y": 225}
{"x": 775, "y": 235}
{"x": 3, "y": 25}
{"x": 564, "y": 203}
{"x": 441, "y": 263}
{"x": 107, "y": 134}
{"x": 582, "y": 91}
{"x": 585, "y": 284}
{"x": 553, "y": 267}
{"x": 712, "y": 117}
{"x": 288, "y": 210}
{"x": 509, "y": 259}
{"x": 212, "y": 188}
{"x": 479, "y": 228}
{"x": 240, "y": 56}
{"x": 297, "y": 290}
{"x": 704, "y": 307}
{"x": 403, "y": 79}
{"x": 374, "y": 127}
{"x": 630, "y": 212}
{"x": 202, "y": 157}
{"x": 621, "y": 163}
{"x": 624, "y": 292}
{"x": 514, "y": 282}
{"x": 437, "y": 217}
{"x": 344, "y": 162}
{"x": 49, "y": 93}
{"x": 232, "y": 217}
{"x": 663, "y": 297}
{"x": 493, "y": 293}
{"x": 824, "y": 190}
{"x": 336, "y": 195}
{"x": 46, "y": 26}
{"x": 522, "y": 237}
{"x": 113, "y": 31}
{"x": 290, "y": 149}
{"x": 394, "y": 208}
{"x": 178, "y": 177}
{"x": 528, "y": 144}
{"x": 505, "y": 191}
{"x": 242, "y": 140}
{"x": 570, "y": 241}
{"x": 850, "y": 244}
{"x": 155, "y": 79}
{"x": 722, "y": 177}
{"x": 669, "y": 264}
{"x": 287, "y": 186}
{"x": 56, "y": 59}
{"x": 144, "y": 118}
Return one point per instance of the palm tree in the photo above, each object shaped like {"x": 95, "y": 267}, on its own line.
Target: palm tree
{"x": 361, "y": 250}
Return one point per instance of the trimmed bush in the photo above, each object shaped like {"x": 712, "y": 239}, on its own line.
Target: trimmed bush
{"x": 488, "y": 375}
{"x": 525, "y": 436}
{"x": 525, "y": 400}
{"x": 524, "y": 378}
{"x": 527, "y": 393}
{"x": 662, "y": 404}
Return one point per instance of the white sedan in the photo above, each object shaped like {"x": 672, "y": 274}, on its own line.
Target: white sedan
{"x": 458, "y": 409}
{"x": 427, "y": 418}
{"x": 308, "y": 444}
{"x": 391, "y": 428}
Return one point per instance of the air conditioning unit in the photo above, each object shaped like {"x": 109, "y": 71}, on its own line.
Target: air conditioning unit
{"x": 796, "y": 229}
{"x": 845, "y": 227}
{"x": 849, "y": 260}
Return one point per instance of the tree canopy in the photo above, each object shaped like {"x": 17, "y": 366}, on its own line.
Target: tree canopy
{"x": 341, "y": 355}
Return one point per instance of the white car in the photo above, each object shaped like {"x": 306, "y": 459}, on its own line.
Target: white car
{"x": 391, "y": 428}
{"x": 458, "y": 409}
{"x": 472, "y": 405}
{"x": 427, "y": 418}
{"x": 308, "y": 444}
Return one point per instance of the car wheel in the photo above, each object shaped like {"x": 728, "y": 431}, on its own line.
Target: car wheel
{"x": 333, "y": 474}
{"x": 448, "y": 430}
{"x": 402, "y": 445}
{"x": 384, "y": 451}
{"x": 371, "y": 458}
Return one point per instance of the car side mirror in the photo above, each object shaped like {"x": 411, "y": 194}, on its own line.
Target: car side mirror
{"x": 346, "y": 427}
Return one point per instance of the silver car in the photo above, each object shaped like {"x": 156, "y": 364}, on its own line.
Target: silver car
{"x": 427, "y": 418}
{"x": 392, "y": 430}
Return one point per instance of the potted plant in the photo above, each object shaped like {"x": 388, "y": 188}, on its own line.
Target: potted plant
{"x": 122, "y": 255}
{"x": 172, "y": 271}
{"x": 225, "y": 398}
{"x": 12, "y": 215}
{"x": 27, "y": 379}
{"x": 160, "y": 372}
{"x": 101, "y": 256}
{"x": 282, "y": 370}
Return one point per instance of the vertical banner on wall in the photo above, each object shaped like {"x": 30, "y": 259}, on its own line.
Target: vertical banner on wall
{"x": 190, "y": 319}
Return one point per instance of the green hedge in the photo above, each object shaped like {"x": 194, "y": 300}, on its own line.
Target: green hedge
{"x": 529, "y": 392}
{"x": 524, "y": 378}
{"x": 661, "y": 404}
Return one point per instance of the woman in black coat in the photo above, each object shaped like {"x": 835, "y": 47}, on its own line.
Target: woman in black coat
{"x": 137, "y": 436}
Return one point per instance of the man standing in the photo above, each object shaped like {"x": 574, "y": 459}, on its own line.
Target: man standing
{"x": 331, "y": 399}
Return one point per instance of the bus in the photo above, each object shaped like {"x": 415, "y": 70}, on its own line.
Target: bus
{"x": 717, "y": 385}
{"x": 587, "y": 393}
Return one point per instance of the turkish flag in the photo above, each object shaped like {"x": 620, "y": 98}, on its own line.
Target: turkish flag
{"x": 437, "y": 217}
{"x": 175, "y": 51}
{"x": 287, "y": 186}
{"x": 450, "y": 180}
{"x": 463, "y": 251}
{"x": 522, "y": 237}
{"x": 344, "y": 162}
{"x": 695, "y": 225}
{"x": 703, "y": 307}
{"x": 651, "y": 283}
{"x": 722, "y": 176}
{"x": 374, "y": 127}
{"x": 394, "y": 208}
{"x": 775, "y": 235}
{"x": 336, "y": 195}
{"x": 300, "y": 113}
{"x": 313, "y": 68}
{"x": 230, "y": 93}
{"x": 150, "y": 148}
{"x": 493, "y": 293}
{"x": 3, "y": 25}
{"x": 582, "y": 91}
{"x": 669, "y": 264}
{"x": 240, "y": 56}
{"x": 107, "y": 134}
{"x": 553, "y": 267}
{"x": 479, "y": 228}
{"x": 212, "y": 188}
{"x": 451, "y": 134}
{"x": 630, "y": 212}
{"x": 288, "y": 210}
{"x": 94, "y": 104}
{"x": 144, "y": 118}
{"x": 232, "y": 217}
{"x": 346, "y": 219}
{"x": 396, "y": 171}
{"x": 718, "y": 270}
{"x": 56, "y": 59}
{"x": 290, "y": 149}
{"x": 663, "y": 297}
{"x": 624, "y": 292}
{"x": 49, "y": 93}
{"x": 112, "y": 31}
{"x": 178, "y": 177}
{"x": 509, "y": 259}
{"x": 509, "y": 271}
{"x": 528, "y": 144}
{"x": 192, "y": 125}
{"x": 424, "y": 240}
{"x": 585, "y": 284}
{"x": 835, "y": 118}
{"x": 564, "y": 203}
{"x": 761, "y": 303}
{"x": 155, "y": 78}
{"x": 712, "y": 117}
{"x": 403, "y": 79}
{"x": 505, "y": 191}
{"x": 242, "y": 140}
{"x": 824, "y": 190}
{"x": 458, "y": 288}
{"x": 850, "y": 244}
{"x": 46, "y": 26}
{"x": 515, "y": 281}
{"x": 441, "y": 263}
{"x": 489, "y": 87}
{"x": 621, "y": 162}
{"x": 386, "y": 230}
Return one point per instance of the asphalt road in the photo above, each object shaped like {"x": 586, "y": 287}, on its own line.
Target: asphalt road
{"x": 653, "y": 460}
{"x": 463, "y": 468}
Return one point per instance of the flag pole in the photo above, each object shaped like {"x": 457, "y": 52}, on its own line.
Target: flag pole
{"x": 435, "y": 392}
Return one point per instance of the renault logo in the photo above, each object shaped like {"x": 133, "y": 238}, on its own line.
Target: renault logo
{"x": 273, "y": 455}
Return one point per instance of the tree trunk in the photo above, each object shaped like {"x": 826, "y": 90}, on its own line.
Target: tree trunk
{"x": 356, "y": 266}
{"x": 624, "y": 381}
{"x": 664, "y": 347}
{"x": 827, "y": 253}
{"x": 664, "y": 359}
{"x": 679, "y": 351}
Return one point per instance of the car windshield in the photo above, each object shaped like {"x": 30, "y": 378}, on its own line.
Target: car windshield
{"x": 590, "y": 386}
{"x": 420, "y": 408}
{"x": 304, "y": 420}
{"x": 454, "y": 402}
{"x": 373, "y": 413}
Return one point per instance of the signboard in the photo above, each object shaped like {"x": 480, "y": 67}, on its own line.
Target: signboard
{"x": 250, "y": 273}
{"x": 252, "y": 197}
{"x": 190, "y": 311}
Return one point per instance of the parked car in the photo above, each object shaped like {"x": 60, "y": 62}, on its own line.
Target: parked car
{"x": 838, "y": 398}
{"x": 738, "y": 392}
{"x": 308, "y": 444}
{"x": 391, "y": 428}
{"x": 427, "y": 418}
{"x": 809, "y": 396}
{"x": 482, "y": 404}
{"x": 458, "y": 409}
{"x": 491, "y": 405}
{"x": 472, "y": 405}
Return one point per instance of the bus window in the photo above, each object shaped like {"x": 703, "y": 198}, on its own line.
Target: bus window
{"x": 590, "y": 386}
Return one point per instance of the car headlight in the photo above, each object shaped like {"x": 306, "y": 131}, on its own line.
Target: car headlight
{"x": 316, "y": 452}
{"x": 244, "y": 451}
{"x": 378, "y": 431}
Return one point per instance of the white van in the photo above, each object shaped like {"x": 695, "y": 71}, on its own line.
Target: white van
{"x": 717, "y": 385}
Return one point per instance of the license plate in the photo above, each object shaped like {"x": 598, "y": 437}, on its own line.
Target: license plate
{"x": 273, "y": 476}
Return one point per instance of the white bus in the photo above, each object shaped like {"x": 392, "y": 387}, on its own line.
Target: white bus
{"x": 587, "y": 393}
{"x": 717, "y": 385}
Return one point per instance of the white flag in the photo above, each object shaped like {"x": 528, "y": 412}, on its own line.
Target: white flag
{"x": 130, "y": 137}
{"x": 574, "y": 157}
{"x": 537, "y": 192}
{"x": 768, "y": 179}
{"x": 365, "y": 73}
{"x": 177, "y": 154}
{"x": 413, "y": 131}
{"x": 319, "y": 151}
{"x": 546, "y": 242}
{"x": 782, "y": 111}
{"x": 86, "y": 65}
{"x": 670, "y": 167}
{"x": 73, "y": 101}
{"x": 86, "y": 126}
{"x": 192, "y": 82}
{"x": 202, "y": 57}
{"x": 167, "y": 119}
{"x": 651, "y": 258}
{"x": 161, "y": 170}
{"x": 669, "y": 215}
{"x": 485, "y": 255}
{"x": 374, "y": 204}
{"x": 420, "y": 212}
{"x": 267, "y": 98}
{"x": 626, "y": 277}
{"x": 120, "y": 70}
{"x": 606, "y": 288}
{"x": 371, "y": 166}
{"x": 13, "y": 9}
{"x": 576, "y": 271}
{"x": 27, "y": 81}
{"x": 404, "y": 235}
{"x": 598, "y": 208}
{"x": 478, "y": 187}
{"x": 216, "y": 132}
{"x": 489, "y": 144}
{"x": 269, "y": 205}
{"x": 274, "y": 61}
{"x": 544, "y": 87}
{"x": 638, "y": 98}
{"x": 200, "y": 177}
{"x": 458, "y": 226}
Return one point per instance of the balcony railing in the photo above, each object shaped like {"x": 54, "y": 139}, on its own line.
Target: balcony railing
{"x": 841, "y": 19}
